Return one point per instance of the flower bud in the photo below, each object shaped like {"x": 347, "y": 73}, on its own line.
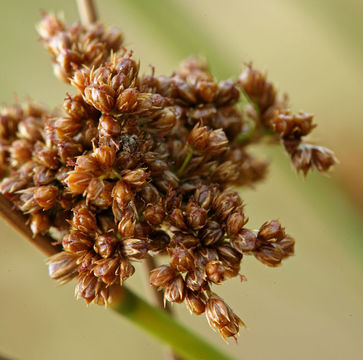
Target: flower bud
{"x": 46, "y": 196}
{"x": 134, "y": 249}
{"x": 63, "y": 266}
{"x": 175, "y": 291}
{"x": 245, "y": 241}
{"x": 105, "y": 244}
{"x": 162, "y": 275}
{"x": 195, "y": 302}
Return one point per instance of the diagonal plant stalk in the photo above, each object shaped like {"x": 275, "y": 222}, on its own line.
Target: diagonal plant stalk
{"x": 186, "y": 37}
{"x": 154, "y": 321}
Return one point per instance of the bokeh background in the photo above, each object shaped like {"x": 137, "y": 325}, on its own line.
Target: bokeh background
{"x": 311, "y": 307}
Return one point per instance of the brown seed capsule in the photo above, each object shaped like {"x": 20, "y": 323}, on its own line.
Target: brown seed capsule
{"x": 20, "y": 152}
{"x": 181, "y": 259}
{"x": 105, "y": 244}
{"x": 46, "y": 196}
{"x": 204, "y": 196}
{"x": 228, "y": 255}
{"x": 126, "y": 270}
{"x": 154, "y": 214}
{"x": 235, "y": 222}
{"x": 221, "y": 317}
{"x": 134, "y": 249}
{"x": 43, "y": 175}
{"x": 102, "y": 97}
{"x": 176, "y": 218}
{"x": 162, "y": 275}
{"x": 271, "y": 231}
{"x": 75, "y": 242}
{"x": 78, "y": 181}
{"x": 195, "y": 302}
{"x": 107, "y": 270}
{"x": 91, "y": 289}
{"x": 185, "y": 240}
{"x": 215, "y": 271}
{"x": 245, "y": 241}
{"x": 195, "y": 281}
{"x": 84, "y": 220}
{"x": 195, "y": 216}
{"x": 67, "y": 127}
{"x": 127, "y": 225}
{"x": 127, "y": 100}
{"x": 211, "y": 233}
{"x": 109, "y": 126}
{"x": 122, "y": 193}
{"x": 39, "y": 223}
{"x": 159, "y": 240}
{"x": 137, "y": 177}
{"x": 105, "y": 155}
{"x": 63, "y": 266}
{"x": 46, "y": 156}
{"x": 175, "y": 291}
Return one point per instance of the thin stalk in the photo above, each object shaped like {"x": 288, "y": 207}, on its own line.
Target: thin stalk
{"x": 164, "y": 328}
{"x": 154, "y": 321}
{"x": 156, "y": 297}
{"x": 87, "y": 11}
{"x": 185, "y": 164}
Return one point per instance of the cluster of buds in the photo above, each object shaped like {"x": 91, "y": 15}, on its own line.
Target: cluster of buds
{"x": 270, "y": 112}
{"x": 138, "y": 166}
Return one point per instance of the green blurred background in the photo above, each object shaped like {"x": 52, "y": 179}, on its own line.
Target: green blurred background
{"x": 311, "y": 307}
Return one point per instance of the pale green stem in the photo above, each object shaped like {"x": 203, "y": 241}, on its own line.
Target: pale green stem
{"x": 163, "y": 327}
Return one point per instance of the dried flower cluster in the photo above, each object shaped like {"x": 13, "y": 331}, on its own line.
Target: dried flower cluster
{"x": 138, "y": 166}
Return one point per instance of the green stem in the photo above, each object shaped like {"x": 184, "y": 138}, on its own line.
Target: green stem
{"x": 164, "y": 328}
{"x": 185, "y": 164}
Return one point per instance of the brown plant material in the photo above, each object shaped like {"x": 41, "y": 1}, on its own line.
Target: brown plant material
{"x": 138, "y": 166}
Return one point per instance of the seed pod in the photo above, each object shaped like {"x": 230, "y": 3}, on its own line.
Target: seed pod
{"x": 195, "y": 281}
{"x": 105, "y": 155}
{"x": 39, "y": 223}
{"x": 67, "y": 127}
{"x": 221, "y": 317}
{"x": 204, "y": 196}
{"x": 322, "y": 158}
{"x": 154, "y": 214}
{"x": 75, "y": 107}
{"x": 211, "y": 233}
{"x": 46, "y": 156}
{"x": 206, "y": 90}
{"x": 229, "y": 256}
{"x": 109, "y": 126}
{"x": 127, "y": 100}
{"x": 215, "y": 271}
{"x": 102, "y": 97}
{"x": 185, "y": 240}
{"x": 122, "y": 193}
{"x": 76, "y": 242}
{"x": 31, "y": 129}
{"x": 63, "y": 266}
{"x": 235, "y": 222}
{"x": 91, "y": 289}
{"x": 162, "y": 275}
{"x": 228, "y": 94}
{"x": 46, "y": 196}
{"x": 226, "y": 203}
{"x": 181, "y": 259}
{"x": 105, "y": 244}
{"x": 195, "y": 302}
{"x": 107, "y": 270}
{"x": 195, "y": 216}
{"x": 159, "y": 240}
{"x": 245, "y": 241}
{"x": 126, "y": 270}
{"x": 20, "y": 152}
{"x": 84, "y": 220}
{"x": 78, "y": 181}
{"x": 68, "y": 151}
{"x": 176, "y": 218}
{"x": 136, "y": 177}
{"x": 175, "y": 291}
{"x": 127, "y": 224}
{"x": 271, "y": 231}
{"x": 134, "y": 249}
